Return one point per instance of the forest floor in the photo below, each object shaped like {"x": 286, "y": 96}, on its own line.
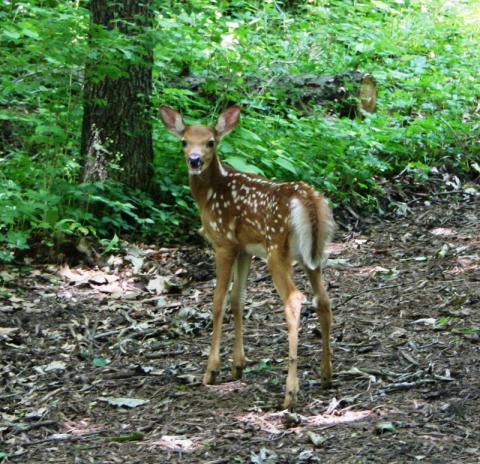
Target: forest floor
{"x": 104, "y": 365}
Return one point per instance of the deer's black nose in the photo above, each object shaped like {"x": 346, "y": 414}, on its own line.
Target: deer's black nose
{"x": 195, "y": 161}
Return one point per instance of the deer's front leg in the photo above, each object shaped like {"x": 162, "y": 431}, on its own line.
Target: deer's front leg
{"x": 224, "y": 259}
{"x": 242, "y": 267}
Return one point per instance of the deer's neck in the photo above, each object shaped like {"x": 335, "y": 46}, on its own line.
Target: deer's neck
{"x": 203, "y": 184}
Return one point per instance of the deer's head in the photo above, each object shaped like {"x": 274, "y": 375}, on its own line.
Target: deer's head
{"x": 199, "y": 141}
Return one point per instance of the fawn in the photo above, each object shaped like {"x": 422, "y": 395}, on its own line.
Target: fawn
{"x": 243, "y": 215}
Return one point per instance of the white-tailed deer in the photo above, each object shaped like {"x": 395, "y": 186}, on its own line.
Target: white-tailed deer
{"x": 244, "y": 215}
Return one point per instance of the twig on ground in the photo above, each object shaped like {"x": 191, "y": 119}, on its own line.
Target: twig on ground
{"x": 407, "y": 385}
{"x": 368, "y": 290}
{"x": 35, "y": 425}
{"x": 62, "y": 437}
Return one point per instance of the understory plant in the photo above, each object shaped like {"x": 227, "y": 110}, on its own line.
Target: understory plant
{"x": 423, "y": 55}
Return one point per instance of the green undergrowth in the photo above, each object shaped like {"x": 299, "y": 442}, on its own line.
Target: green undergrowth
{"x": 423, "y": 55}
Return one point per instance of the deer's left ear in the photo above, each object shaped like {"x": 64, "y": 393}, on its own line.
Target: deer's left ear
{"x": 227, "y": 121}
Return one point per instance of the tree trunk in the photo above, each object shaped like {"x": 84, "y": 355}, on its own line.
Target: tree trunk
{"x": 116, "y": 138}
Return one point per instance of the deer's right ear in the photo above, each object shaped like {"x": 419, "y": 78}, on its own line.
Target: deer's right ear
{"x": 173, "y": 120}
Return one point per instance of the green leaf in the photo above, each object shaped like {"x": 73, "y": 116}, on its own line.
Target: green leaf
{"x": 28, "y": 30}
{"x": 384, "y": 427}
{"x": 133, "y": 436}
{"x": 286, "y": 164}
{"x": 100, "y": 361}
{"x": 242, "y": 165}
{"x": 10, "y": 34}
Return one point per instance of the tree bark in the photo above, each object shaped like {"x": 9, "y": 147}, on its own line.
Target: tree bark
{"x": 116, "y": 140}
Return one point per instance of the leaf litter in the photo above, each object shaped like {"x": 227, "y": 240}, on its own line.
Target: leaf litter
{"x": 105, "y": 364}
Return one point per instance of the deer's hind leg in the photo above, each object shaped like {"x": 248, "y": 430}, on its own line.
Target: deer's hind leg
{"x": 280, "y": 267}
{"x": 321, "y": 303}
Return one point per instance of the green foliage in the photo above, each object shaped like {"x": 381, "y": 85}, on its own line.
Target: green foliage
{"x": 423, "y": 54}
{"x": 53, "y": 215}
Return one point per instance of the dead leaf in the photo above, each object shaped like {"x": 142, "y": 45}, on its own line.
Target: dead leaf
{"x": 5, "y": 332}
{"x": 125, "y": 402}
{"x": 157, "y": 285}
{"x": 398, "y": 332}
{"x": 176, "y": 443}
{"x": 316, "y": 439}
{"x": 54, "y": 366}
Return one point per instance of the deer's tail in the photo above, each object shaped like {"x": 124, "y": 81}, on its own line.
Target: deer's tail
{"x": 312, "y": 228}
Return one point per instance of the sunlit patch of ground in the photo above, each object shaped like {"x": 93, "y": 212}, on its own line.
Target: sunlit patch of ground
{"x": 464, "y": 265}
{"x": 81, "y": 427}
{"x": 338, "y": 248}
{"x": 176, "y": 443}
{"x": 443, "y": 232}
{"x": 279, "y": 422}
{"x": 371, "y": 271}
{"x": 228, "y": 387}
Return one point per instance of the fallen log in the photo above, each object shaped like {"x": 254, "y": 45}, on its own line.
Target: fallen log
{"x": 347, "y": 94}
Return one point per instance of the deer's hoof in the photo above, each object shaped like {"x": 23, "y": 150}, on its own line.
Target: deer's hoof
{"x": 210, "y": 378}
{"x": 237, "y": 372}
{"x": 326, "y": 383}
{"x": 290, "y": 400}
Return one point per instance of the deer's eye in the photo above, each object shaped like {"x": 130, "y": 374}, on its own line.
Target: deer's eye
{"x": 210, "y": 143}
{"x": 184, "y": 143}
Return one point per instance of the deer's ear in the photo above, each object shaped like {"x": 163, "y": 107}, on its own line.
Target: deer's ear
{"x": 173, "y": 120}
{"x": 227, "y": 121}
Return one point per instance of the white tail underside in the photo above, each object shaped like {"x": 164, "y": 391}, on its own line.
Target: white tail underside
{"x": 301, "y": 240}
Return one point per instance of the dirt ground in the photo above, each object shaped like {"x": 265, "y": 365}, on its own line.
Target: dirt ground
{"x": 104, "y": 365}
